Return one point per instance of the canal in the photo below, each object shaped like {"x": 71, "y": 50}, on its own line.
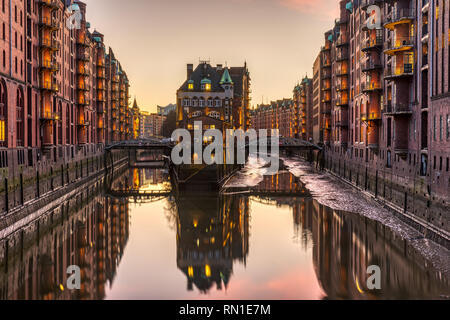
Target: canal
{"x": 264, "y": 237}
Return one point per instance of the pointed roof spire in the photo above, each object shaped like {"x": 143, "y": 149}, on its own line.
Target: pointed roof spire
{"x": 226, "y": 78}
{"x": 135, "y": 103}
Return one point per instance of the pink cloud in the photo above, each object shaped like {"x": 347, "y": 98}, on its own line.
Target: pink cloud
{"x": 326, "y": 9}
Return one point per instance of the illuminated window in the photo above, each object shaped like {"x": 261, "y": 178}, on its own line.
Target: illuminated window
{"x": 207, "y": 87}
{"x": 190, "y": 86}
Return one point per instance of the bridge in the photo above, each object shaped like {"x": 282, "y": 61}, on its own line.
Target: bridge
{"x": 141, "y": 144}
{"x": 141, "y": 195}
{"x": 297, "y": 144}
{"x": 158, "y": 144}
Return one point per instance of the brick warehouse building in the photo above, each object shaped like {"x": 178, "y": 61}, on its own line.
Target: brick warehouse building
{"x": 218, "y": 96}
{"x": 62, "y": 97}
{"x": 386, "y": 104}
{"x": 280, "y": 114}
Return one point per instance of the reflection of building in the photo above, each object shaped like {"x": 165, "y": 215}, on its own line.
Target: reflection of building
{"x": 88, "y": 231}
{"x": 345, "y": 244}
{"x": 212, "y": 233}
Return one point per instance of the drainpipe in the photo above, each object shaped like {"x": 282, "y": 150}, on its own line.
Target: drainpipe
{"x": 431, "y": 17}
{"x": 10, "y": 38}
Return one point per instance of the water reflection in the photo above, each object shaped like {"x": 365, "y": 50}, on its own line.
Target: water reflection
{"x": 224, "y": 243}
{"x": 212, "y": 233}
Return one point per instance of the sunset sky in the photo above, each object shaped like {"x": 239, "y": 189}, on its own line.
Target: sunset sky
{"x": 155, "y": 39}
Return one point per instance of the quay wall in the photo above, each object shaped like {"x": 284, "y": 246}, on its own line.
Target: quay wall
{"x": 407, "y": 196}
{"x": 26, "y": 188}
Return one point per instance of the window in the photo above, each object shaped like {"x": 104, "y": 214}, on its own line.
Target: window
{"x": 190, "y": 86}
{"x": 448, "y": 127}
{"x": 19, "y": 117}
{"x": 3, "y": 114}
{"x": 441, "y": 128}
{"x": 423, "y": 165}
{"x": 434, "y": 129}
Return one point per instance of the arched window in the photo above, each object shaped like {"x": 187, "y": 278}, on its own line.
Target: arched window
{"x": 59, "y": 124}
{"x": 20, "y": 118}
{"x": 67, "y": 124}
{"x": 3, "y": 115}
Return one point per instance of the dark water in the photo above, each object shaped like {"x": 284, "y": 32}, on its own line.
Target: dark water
{"x": 273, "y": 241}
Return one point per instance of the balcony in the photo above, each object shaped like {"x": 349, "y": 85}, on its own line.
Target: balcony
{"x": 342, "y": 102}
{"x": 101, "y": 74}
{"x": 115, "y": 79}
{"x": 401, "y": 71}
{"x": 399, "y": 44}
{"x": 49, "y": 65}
{"x": 83, "y": 41}
{"x": 48, "y": 22}
{"x": 368, "y": 87}
{"x": 52, "y": 4}
{"x": 325, "y": 48}
{"x": 326, "y": 111}
{"x": 371, "y": 44}
{"x": 372, "y": 116}
{"x": 341, "y": 124}
{"x": 367, "y": 3}
{"x": 82, "y": 123}
{"x": 370, "y": 65}
{"x": 342, "y": 72}
{"x": 326, "y": 126}
{"x": 49, "y": 116}
{"x": 49, "y": 86}
{"x": 84, "y": 56}
{"x": 83, "y": 72}
{"x": 83, "y": 101}
{"x": 341, "y": 21}
{"x": 326, "y": 64}
{"x": 49, "y": 44}
{"x": 398, "y": 109}
{"x": 341, "y": 56}
{"x": 101, "y": 99}
{"x": 341, "y": 87}
{"x": 399, "y": 16}
{"x": 83, "y": 86}
{"x": 342, "y": 41}
{"x": 326, "y": 75}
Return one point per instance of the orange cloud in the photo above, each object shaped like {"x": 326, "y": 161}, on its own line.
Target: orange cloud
{"x": 324, "y": 9}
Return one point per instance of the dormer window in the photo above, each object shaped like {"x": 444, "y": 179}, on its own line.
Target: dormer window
{"x": 206, "y": 84}
{"x": 191, "y": 85}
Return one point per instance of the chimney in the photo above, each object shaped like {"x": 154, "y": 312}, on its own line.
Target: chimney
{"x": 219, "y": 67}
{"x": 190, "y": 70}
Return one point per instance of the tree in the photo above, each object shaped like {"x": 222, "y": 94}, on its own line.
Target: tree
{"x": 169, "y": 124}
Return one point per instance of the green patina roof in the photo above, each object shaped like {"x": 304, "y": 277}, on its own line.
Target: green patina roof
{"x": 205, "y": 81}
{"x": 226, "y": 79}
